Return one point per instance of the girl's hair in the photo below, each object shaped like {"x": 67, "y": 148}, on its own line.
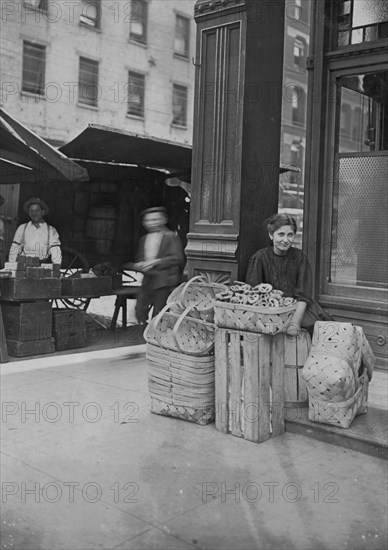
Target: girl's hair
{"x": 277, "y": 221}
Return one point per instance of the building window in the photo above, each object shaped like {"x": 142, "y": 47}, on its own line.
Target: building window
{"x": 34, "y": 65}
{"x": 37, "y": 4}
{"x": 299, "y": 52}
{"x": 179, "y": 105}
{"x": 136, "y": 88}
{"x": 138, "y": 23}
{"x": 88, "y": 82}
{"x": 298, "y": 101}
{"x": 182, "y": 36}
{"x": 90, "y": 13}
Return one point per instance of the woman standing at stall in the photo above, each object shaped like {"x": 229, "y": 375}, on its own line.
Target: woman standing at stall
{"x": 287, "y": 268}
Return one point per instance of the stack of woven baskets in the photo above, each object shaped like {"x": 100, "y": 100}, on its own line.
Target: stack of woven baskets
{"x": 337, "y": 373}
{"x": 180, "y": 353}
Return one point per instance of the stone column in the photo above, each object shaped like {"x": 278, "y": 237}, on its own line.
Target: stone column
{"x": 236, "y": 142}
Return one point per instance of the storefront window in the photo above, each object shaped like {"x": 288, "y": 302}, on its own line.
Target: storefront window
{"x": 359, "y": 247}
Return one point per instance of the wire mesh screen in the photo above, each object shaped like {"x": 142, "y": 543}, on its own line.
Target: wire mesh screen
{"x": 359, "y": 253}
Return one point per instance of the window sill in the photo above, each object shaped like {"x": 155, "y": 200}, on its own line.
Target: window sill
{"x": 179, "y": 126}
{"x": 28, "y": 7}
{"x": 33, "y": 95}
{"x": 86, "y": 106}
{"x": 138, "y": 43}
{"x": 139, "y": 118}
{"x": 181, "y": 57}
{"x": 90, "y": 27}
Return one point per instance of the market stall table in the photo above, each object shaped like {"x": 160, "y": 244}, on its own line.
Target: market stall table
{"x": 23, "y": 331}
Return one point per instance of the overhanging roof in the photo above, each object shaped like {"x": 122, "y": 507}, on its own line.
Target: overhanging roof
{"x": 119, "y": 149}
{"x": 101, "y": 143}
{"x": 25, "y": 157}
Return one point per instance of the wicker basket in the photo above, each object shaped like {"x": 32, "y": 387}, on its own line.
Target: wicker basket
{"x": 201, "y": 293}
{"x": 180, "y": 332}
{"x": 341, "y": 413}
{"x": 337, "y": 392}
{"x": 253, "y": 318}
{"x": 181, "y": 386}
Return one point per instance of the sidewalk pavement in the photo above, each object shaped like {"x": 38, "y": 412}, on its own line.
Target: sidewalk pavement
{"x": 91, "y": 467}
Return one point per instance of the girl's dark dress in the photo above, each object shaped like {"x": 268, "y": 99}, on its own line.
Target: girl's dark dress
{"x": 290, "y": 273}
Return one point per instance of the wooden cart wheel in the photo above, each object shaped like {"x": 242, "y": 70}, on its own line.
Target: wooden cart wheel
{"x": 72, "y": 261}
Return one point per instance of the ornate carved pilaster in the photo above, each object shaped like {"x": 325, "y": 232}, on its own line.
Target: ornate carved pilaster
{"x": 237, "y": 112}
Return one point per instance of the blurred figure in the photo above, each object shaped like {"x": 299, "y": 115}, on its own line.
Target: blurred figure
{"x": 36, "y": 237}
{"x": 160, "y": 258}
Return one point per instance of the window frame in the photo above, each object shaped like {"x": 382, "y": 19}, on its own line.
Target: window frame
{"x": 81, "y": 99}
{"x": 134, "y": 37}
{"x": 175, "y": 87}
{"x": 24, "y": 88}
{"x": 97, "y": 20}
{"x": 136, "y": 74}
{"x": 328, "y": 289}
{"x": 186, "y": 54}
{"x": 42, "y": 5}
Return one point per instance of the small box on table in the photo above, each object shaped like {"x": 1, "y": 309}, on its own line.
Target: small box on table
{"x": 69, "y": 329}
{"x": 90, "y": 286}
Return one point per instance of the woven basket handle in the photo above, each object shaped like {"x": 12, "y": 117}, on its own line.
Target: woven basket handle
{"x": 153, "y": 326}
{"x": 185, "y": 289}
{"x": 177, "y": 327}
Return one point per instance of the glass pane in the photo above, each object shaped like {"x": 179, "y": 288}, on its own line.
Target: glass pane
{"x": 360, "y": 229}
{"x": 368, "y": 20}
{"x": 366, "y": 12}
{"x": 357, "y": 36}
{"x": 343, "y": 38}
{"x": 363, "y": 113}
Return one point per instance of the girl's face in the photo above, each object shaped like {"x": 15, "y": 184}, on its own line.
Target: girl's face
{"x": 282, "y": 239}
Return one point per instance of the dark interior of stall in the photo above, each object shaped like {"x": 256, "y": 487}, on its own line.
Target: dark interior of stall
{"x": 100, "y": 219}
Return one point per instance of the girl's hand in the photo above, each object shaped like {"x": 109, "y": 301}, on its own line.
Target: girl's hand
{"x": 293, "y": 329}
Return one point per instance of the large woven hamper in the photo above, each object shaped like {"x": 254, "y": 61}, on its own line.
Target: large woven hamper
{"x": 177, "y": 330}
{"x": 336, "y": 380}
{"x": 181, "y": 385}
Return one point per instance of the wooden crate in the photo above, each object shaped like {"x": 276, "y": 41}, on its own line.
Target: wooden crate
{"x": 249, "y": 389}
{"x": 257, "y": 377}
{"x": 30, "y": 289}
{"x": 296, "y": 351}
{"x": 17, "y": 348}
{"x": 69, "y": 329}
{"x": 27, "y": 321}
{"x": 90, "y": 286}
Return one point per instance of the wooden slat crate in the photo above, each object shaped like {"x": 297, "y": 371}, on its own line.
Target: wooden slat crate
{"x": 296, "y": 352}
{"x": 249, "y": 390}
{"x": 257, "y": 376}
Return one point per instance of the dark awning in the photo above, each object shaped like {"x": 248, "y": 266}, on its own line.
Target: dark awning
{"x": 101, "y": 143}
{"x": 120, "y": 147}
{"x": 25, "y": 157}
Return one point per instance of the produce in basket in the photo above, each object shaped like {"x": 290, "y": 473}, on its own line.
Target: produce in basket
{"x": 263, "y": 295}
